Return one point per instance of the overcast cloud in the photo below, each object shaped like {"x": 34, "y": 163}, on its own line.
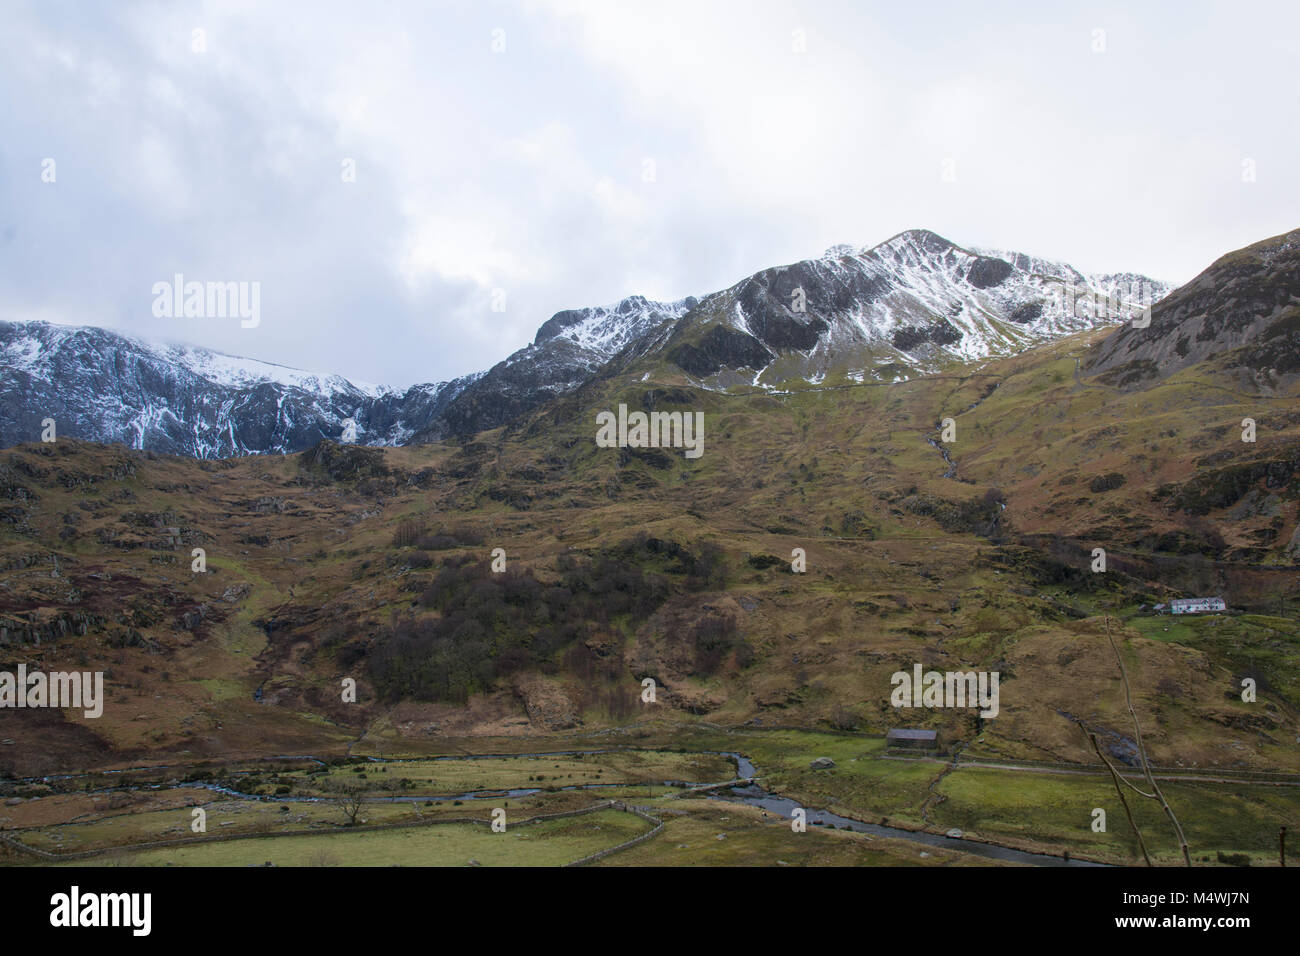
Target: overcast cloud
{"x": 528, "y": 170}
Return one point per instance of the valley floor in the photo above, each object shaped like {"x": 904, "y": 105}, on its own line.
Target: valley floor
{"x": 648, "y": 794}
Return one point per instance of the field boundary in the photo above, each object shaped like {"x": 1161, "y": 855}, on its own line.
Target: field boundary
{"x": 635, "y": 811}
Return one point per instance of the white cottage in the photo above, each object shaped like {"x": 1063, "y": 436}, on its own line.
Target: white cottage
{"x": 1201, "y": 605}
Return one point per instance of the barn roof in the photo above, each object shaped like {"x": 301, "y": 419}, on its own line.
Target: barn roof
{"x": 906, "y": 733}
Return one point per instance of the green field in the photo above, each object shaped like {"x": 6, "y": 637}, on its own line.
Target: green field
{"x": 549, "y": 843}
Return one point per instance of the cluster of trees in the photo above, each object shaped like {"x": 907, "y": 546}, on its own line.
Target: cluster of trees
{"x": 490, "y": 624}
{"x": 716, "y": 637}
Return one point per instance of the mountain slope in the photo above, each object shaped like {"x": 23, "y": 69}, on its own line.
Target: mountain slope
{"x": 103, "y": 386}
{"x": 627, "y": 563}
{"x": 569, "y": 348}
{"x": 1242, "y": 313}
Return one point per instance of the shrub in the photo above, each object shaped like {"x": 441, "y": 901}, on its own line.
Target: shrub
{"x": 842, "y": 718}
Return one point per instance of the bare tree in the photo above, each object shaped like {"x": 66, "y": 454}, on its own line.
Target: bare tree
{"x": 350, "y": 798}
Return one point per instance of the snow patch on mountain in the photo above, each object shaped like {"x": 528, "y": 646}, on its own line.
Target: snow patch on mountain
{"x": 605, "y": 329}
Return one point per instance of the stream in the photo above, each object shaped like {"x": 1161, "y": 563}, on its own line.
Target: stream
{"x": 755, "y": 795}
{"x": 783, "y": 806}
{"x": 952, "y": 466}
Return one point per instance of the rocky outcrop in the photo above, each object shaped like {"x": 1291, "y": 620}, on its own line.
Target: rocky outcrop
{"x": 546, "y": 703}
{"x": 1242, "y": 312}
{"x": 720, "y": 347}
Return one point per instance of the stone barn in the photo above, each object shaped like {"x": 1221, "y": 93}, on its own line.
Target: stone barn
{"x": 912, "y": 739}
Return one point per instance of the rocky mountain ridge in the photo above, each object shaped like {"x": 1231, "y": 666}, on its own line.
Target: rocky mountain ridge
{"x": 888, "y": 312}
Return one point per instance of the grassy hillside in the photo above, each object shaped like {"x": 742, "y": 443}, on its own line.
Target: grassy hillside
{"x": 629, "y": 563}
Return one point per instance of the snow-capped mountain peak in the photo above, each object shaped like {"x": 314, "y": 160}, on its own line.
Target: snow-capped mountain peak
{"x": 903, "y": 307}
{"x": 608, "y": 328}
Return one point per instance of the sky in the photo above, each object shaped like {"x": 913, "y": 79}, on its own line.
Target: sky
{"x": 417, "y": 187}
